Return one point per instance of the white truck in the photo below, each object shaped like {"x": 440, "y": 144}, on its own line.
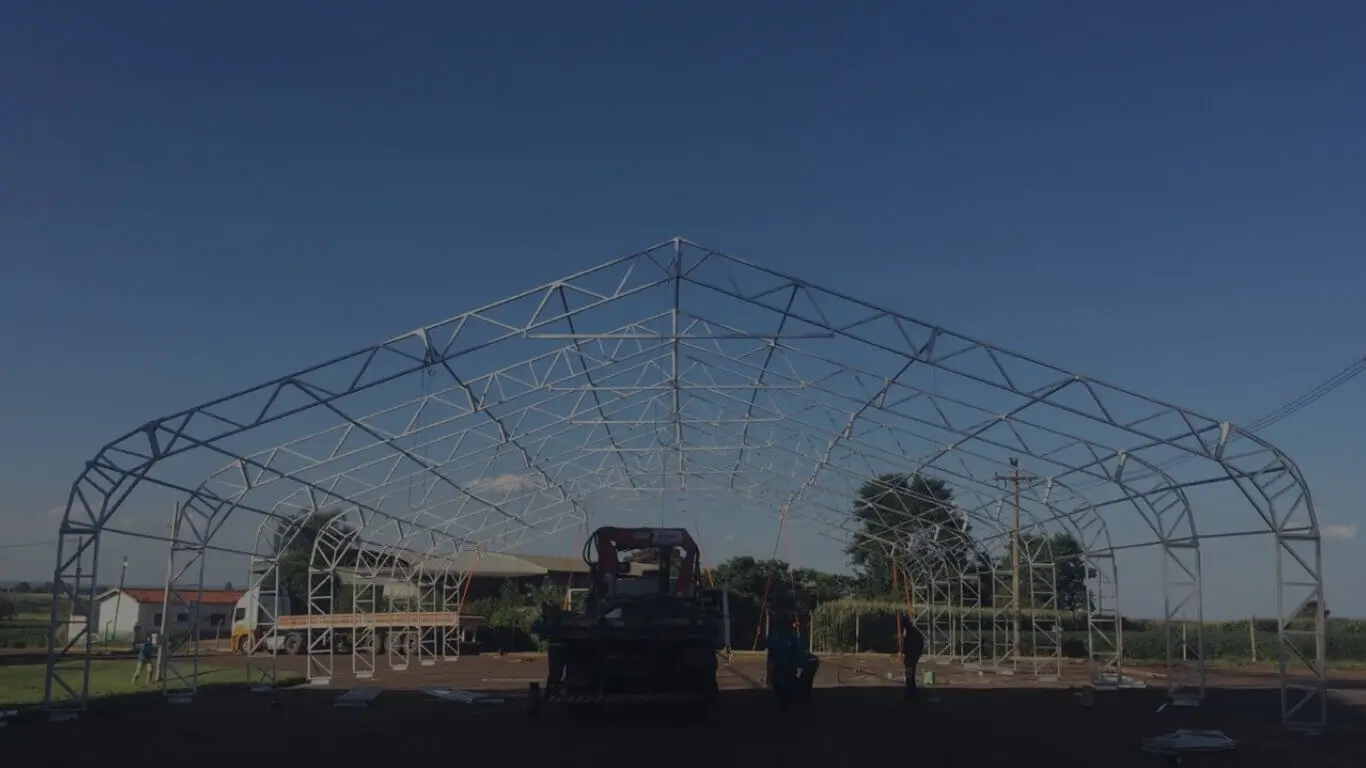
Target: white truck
{"x": 252, "y": 621}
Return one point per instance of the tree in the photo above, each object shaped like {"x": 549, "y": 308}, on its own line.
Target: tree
{"x": 816, "y": 587}
{"x": 23, "y": 588}
{"x": 7, "y": 608}
{"x": 744, "y": 577}
{"x": 913, "y": 517}
{"x": 1064, "y": 552}
{"x": 748, "y": 581}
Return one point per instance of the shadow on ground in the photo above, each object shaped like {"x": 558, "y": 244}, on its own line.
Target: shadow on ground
{"x": 864, "y": 726}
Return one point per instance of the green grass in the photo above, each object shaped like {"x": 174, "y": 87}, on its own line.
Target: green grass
{"x": 23, "y": 636}
{"x": 22, "y": 684}
{"x": 27, "y": 627}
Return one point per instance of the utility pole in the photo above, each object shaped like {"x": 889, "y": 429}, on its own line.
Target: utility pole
{"x": 1016, "y": 478}
{"x": 118, "y": 603}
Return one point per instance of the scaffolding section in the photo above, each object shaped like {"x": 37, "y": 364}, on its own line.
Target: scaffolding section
{"x": 429, "y": 601}
{"x": 1183, "y": 623}
{"x": 321, "y": 642}
{"x": 1005, "y": 623}
{"x": 1045, "y": 622}
{"x": 451, "y": 593}
{"x": 266, "y": 603}
{"x": 365, "y": 602}
{"x": 1104, "y": 628}
{"x": 939, "y": 613}
{"x": 970, "y": 610}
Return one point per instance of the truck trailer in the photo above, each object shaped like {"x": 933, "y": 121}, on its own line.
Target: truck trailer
{"x": 252, "y": 623}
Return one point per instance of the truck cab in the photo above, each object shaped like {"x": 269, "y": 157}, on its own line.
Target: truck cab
{"x": 253, "y": 616}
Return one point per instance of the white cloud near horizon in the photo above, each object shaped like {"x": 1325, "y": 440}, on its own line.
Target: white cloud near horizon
{"x": 505, "y": 483}
{"x": 1341, "y": 532}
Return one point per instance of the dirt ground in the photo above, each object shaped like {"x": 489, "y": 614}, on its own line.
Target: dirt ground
{"x": 855, "y": 718}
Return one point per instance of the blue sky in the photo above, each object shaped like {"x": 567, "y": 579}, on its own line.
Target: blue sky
{"x": 196, "y": 199}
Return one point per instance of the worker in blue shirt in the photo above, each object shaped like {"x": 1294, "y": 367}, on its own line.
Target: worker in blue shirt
{"x": 789, "y": 663}
{"x": 147, "y": 652}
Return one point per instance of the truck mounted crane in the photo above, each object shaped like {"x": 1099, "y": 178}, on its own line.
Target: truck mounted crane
{"x": 641, "y": 638}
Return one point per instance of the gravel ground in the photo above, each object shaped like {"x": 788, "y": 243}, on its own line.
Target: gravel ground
{"x": 856, "y": 718}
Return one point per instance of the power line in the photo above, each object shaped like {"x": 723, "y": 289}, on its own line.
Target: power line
{"x": 1284, "y": 411}
{"x": 1322, "y": 390}
{"x": 29, "y": 544}
{"x": 1354, "y": 369}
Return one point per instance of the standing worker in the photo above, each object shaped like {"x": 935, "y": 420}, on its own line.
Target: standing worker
{"x": 791, "y": 669}
{"x": 912, "y": 647}
{"x": 146, "y": 653}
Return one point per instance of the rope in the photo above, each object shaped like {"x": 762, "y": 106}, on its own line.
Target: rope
{"x": 768, "y": 582}
{"x": 469, "y": 579}
{"x": 792, "y": 581}
{"x": 900, "y": 636}
{"x": 697, "y": 528}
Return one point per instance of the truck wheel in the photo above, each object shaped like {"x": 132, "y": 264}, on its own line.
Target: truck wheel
{"x": 244, "y": 645}
{"x": 293, "y": 643}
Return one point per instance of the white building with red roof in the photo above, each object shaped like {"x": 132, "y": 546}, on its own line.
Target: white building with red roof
{"x": 131, "y": 613}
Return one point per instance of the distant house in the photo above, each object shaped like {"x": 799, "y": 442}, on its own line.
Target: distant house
{"x": 132, "y": 613}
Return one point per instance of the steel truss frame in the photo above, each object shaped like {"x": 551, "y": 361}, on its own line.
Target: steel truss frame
{"x": 949, "y": 602}
{"x": 390, "y": 553}
{"x": 608, "y": 410}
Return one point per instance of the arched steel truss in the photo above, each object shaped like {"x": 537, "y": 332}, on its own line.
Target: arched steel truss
{"x": 614, "y": 401}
